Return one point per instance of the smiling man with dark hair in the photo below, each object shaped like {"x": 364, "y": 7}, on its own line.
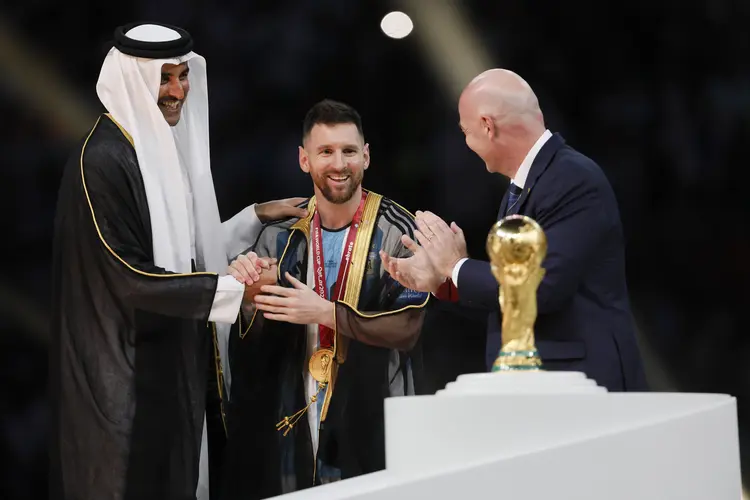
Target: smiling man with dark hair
{"x": 331, "y": 335}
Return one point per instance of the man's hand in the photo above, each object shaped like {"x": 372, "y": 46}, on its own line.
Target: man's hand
{"x": 445, "y": 245}
{"x": 267, "y": 277}
{"x": 300, "y": 305}
{"x": 415, "y": 272}
{"x": 247, "y": 268}
{"x": 280, "y": 209}
{"x": 254, "y": 272}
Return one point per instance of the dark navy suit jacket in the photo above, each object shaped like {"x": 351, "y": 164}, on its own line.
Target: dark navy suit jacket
{"x": 584, "y": 320}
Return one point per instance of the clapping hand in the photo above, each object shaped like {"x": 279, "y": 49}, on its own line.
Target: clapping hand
{"x": 440, "y": 248}
{"x": 415, "y": 272}
{"x": 444, "y": 245}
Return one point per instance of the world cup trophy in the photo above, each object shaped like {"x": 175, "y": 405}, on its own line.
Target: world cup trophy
{"x": 517, "y": 246}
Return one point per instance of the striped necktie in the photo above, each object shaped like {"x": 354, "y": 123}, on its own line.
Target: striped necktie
{"x": 514, "y": 192}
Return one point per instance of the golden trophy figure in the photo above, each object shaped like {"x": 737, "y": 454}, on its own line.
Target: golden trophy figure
{"x": 516, "y": 246}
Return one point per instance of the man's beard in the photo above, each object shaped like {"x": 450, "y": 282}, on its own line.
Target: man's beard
{"x": 339, "y": 196}
{"x": 171, "y": 114}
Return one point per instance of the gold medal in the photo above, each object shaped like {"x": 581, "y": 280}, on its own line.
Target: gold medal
{"x": 320, "y": 365}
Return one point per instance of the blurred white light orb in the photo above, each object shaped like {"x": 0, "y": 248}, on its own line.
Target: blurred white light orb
{"x": 396, "y": 24}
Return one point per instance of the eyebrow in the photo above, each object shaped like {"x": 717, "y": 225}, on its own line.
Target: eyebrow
{"x": 183, "y": 72}
{"x": 331, "y": 146}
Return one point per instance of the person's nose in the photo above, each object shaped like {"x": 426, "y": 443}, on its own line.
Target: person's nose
{"x": 339, "y": 161}
{"x": 175, "y": 89}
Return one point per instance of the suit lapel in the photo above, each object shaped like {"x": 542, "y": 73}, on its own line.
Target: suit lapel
{"x": 538, "y": 166}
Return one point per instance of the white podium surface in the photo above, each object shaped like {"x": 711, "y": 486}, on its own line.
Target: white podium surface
{"x": 551, "y": 435}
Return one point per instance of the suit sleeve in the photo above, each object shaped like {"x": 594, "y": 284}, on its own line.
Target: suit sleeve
{"x": 574, "y": 223}
{"x": 117, "y": 245}
{"x": 477, "y": 287}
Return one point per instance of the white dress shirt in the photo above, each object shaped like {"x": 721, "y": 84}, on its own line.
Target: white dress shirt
{"x": 519, "y": 180}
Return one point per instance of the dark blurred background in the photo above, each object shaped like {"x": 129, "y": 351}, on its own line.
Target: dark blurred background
{"x": 657, "y": 92}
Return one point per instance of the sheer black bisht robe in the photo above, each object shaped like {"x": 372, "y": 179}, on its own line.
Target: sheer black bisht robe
{"x": 130, "y": 341}
{"x": 267, "y": 359}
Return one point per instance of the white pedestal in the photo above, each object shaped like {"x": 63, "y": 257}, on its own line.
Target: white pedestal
{"x": 531, "y": 382}
{"x": 544, "y": 435}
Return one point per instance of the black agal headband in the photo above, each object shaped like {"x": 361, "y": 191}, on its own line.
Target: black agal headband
{"x": 153, "y": 50}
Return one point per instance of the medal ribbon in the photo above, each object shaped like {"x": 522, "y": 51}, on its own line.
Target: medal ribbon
{"x": 325, "y": 334}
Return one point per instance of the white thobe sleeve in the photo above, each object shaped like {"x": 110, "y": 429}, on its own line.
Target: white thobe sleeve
{"x": 241, "y": 231}
{"x": 227, "y": 300}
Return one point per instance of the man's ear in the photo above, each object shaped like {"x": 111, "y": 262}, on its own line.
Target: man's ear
{"x": 488, "y": 126}
{"x": 366, "y": 154}
{"x": 304, "y": 160}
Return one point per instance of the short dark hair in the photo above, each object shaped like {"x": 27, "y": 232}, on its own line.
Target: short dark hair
{"x": 330, "y": 112}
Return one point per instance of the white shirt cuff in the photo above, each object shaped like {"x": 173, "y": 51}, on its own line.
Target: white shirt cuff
{"x": 227, "y": 300}
{"x": 456, "y": 268}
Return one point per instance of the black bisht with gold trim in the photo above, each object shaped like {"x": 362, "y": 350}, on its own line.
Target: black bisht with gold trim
{"x": 130, "y": 341}
{"x": 378, "y": 324}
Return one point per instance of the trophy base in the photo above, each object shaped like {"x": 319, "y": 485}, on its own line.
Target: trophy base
{"x": 527, "y": 360}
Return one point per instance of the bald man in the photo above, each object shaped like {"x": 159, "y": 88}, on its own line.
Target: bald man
{"x": 584, "y": 320}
